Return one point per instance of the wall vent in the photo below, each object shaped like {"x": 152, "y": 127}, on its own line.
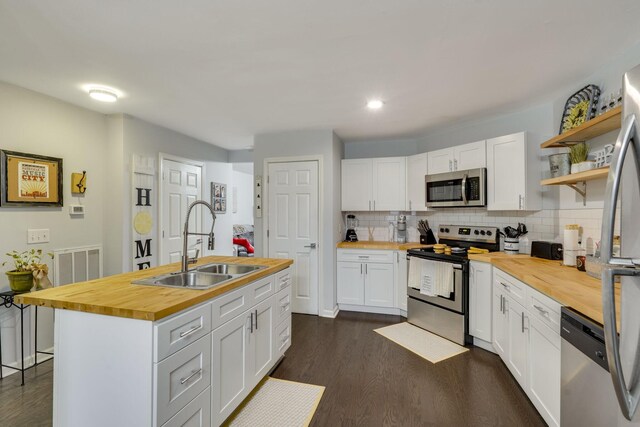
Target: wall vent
{"x": 77, "y": 264}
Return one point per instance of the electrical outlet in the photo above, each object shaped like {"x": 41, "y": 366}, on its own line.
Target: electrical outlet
{"x": 36, "y": 236}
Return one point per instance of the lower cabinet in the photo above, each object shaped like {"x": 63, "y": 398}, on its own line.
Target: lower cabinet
{"x": 480, "y": 297}
{"x": 402, "y": 273}
{"x": 527, "y": 338}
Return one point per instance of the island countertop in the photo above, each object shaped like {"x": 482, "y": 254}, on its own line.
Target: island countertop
{"x": 116, "y": 296}
{"x": 566, "y": 285}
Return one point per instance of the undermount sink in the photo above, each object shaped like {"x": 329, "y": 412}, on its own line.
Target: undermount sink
{"x": 204, "y": 277}
{"x": 233, "y": 269}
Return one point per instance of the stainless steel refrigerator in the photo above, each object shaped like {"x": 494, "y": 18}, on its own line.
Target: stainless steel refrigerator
{"x": 601, "y": 368}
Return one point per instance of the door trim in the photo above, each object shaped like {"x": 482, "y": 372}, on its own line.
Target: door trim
{"x": 161, "y": 158}
{"x": 265, "y": 214}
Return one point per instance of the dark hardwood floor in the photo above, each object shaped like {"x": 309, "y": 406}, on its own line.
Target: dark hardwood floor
{"x": 371, "y": 381}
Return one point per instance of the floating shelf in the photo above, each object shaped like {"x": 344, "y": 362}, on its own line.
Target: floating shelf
{"x": 611, "y": 120}
{"x": 574, "y": 179}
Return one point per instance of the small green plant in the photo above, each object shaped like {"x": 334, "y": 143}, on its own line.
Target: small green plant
{"x": 26, "y": 261}
{"x": 579, "y": 153}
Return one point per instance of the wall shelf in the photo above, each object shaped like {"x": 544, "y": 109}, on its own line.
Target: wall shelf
{"x": 574, "y": 179}
{"x": 611, "y": 120}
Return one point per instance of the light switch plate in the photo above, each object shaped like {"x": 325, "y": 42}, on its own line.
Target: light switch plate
{"x": 37, "y": 235}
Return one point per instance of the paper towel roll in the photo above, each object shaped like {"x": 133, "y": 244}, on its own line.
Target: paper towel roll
{"x": 571, "y": 236}
{"x": 569, "y": 257}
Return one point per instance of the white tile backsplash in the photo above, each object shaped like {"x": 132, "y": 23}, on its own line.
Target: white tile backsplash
{"x": 542, "y": 225}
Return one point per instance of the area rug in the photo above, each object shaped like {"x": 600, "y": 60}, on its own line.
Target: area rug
{"x": 278, "y": 403}
{"x": 423, "y": 343}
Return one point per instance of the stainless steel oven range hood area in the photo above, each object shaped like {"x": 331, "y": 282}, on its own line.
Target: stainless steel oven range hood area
{"x": 467, "y": 188}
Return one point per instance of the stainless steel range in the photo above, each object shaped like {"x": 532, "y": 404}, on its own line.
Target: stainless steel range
{"x": 443, "y": 308}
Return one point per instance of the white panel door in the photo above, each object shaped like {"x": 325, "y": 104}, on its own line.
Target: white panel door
{"x": 506, "y": 172}
{"x": 481, "y": 295}
{"x": 350, "y": 283}
{"x": 402, "y": 272}
{"x": 389, "y": 183}
{"x": 470, "y": 156}
{"x": 262, "y": 340}
{"x": 379, "y": 285}
{"x": 518, "y": 342}
{"x": 440, "y": 161}
{"x": 356, "y": 185}
{"x": 499, "y": 327}
{"x": 544, "y": 371}
{"x": 180, "y": 187}
{"x": 293, "y": 227}
{"x": 416, "y": 188}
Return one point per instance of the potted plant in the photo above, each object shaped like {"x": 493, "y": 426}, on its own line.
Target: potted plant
{"x": 579, "y": 154}
{"x": 27, "y": 269}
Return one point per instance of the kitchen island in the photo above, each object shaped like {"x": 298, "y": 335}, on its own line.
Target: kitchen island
{"x": 136, "y": 355}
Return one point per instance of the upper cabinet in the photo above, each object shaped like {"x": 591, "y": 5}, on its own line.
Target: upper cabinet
{"x": 416, "y": 171}
{"x": 512, "y": 179}
{"x": 374, "y": 184}
{"x": 460, "y": 157}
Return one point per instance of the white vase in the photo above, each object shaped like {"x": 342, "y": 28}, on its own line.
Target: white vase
{"x": 582, "y": 166}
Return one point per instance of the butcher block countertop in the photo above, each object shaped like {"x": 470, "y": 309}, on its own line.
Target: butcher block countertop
{"x": 116, "y": 296}
{"x": 564, "y": 284}
{"x": 371, "y": 244}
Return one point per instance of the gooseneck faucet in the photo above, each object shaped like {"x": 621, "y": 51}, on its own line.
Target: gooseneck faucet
{"x": 185, "y": 236}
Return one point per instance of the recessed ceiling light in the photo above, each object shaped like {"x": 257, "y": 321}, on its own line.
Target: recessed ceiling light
{"x": 375, "y": 104}
{"x": 103, "y": 95}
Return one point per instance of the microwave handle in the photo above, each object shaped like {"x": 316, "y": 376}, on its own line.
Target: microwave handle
{"x": 464, "y": 189}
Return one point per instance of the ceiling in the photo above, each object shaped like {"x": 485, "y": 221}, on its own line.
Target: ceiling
{"x": 223, "y": 71}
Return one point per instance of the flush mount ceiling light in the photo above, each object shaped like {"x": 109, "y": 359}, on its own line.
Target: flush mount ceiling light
{"x": 103, "y": 95}
{"x": 375, "y": 104}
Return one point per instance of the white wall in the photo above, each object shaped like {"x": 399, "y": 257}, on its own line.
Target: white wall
{"x": 242, "y": 182}
{"x": 380, "y": 148}
{"x": 34, "y": 123}
{"x": 310, "y": 143}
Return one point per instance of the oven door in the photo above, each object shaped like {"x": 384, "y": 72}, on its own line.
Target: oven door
{"x": 456, "y": 189}
{"x": 455, "y": 302}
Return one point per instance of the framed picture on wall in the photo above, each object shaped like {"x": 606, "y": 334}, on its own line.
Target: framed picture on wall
{"x": 219, "y": 197}
{"x": 30, "y": 180}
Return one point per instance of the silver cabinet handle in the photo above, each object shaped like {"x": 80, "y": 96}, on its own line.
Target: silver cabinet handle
{"x": 251, "y": 322}
{"x": 190, "y": 331}
{"x": 256, "y": 319}
{"x": 374, "y": 205}
{"x": 366, "y": 269}
{"x": 627, "y": 399}
{"x": 369, "y": 204}
{"x": 464, "y": 189}
{"x": 522, "y": 317}
{"x": 312, "y": 245}
{"x": 627, "y": 135}
{"x": 363, "y": 256}
{"x": 360, "y": 268}
{"x": 502, "y": 304}
{"x": 506, "y": 287}
{"x": 450, "y": 166}
{"x": 193, "y": 374}
{"x": 455, "y": 164}
{"x": 541, "y": 310}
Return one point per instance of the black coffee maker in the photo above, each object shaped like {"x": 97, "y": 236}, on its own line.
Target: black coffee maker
{"x": 352, "y": 223}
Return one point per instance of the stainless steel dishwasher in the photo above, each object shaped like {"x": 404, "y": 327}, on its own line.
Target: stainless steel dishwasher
{"x": 587, "y": 395}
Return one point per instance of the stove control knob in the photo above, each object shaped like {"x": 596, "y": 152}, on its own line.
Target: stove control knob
{"x": 476, "y": 232}
{"x": 442, "y": 230}
{"x": 446, "y": 230}
{"x": 483, "y": 232}
{"x": 489, "y": 233}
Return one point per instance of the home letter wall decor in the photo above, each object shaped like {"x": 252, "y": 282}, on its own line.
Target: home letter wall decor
{"x": 143, "y": 213}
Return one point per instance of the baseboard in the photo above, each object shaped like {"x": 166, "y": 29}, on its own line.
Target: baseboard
{"x": 28, "y": 361}
{"x": 369, "y": 309}
{"x": 485, "y": 345}
{"x": 330, "y": 313}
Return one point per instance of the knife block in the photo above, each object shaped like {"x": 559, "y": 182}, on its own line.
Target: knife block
{"x": 428, "y": 239}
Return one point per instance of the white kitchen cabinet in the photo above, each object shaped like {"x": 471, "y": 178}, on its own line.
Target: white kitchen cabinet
{"x": 402, "y": 277}
{"x": 261, "y": 340}
{"x": 500, "y": 322}
{"x": 544, "y": 371}
{"x": 416, "y": 171}
{"x": 366, "y": 278}
{"x": 513, "y": 174}
{"x": 460, "y": 157}
{"x": 517, "y": 342}
{"x": 374, "y": 184}
{"x": 480, "y": 298}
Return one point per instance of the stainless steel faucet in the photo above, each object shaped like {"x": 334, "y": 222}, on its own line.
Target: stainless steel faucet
{"x": 185, "y": 236}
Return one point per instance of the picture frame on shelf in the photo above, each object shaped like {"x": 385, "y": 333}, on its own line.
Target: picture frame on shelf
{"x": 28, "y": 180}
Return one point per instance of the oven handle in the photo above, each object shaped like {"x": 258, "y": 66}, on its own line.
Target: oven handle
{"x": 455, "y": 266}
{"x": 464, "y": 189}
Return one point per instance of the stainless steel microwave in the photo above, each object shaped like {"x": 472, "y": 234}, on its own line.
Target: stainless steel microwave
{"x": 467, "y": 188}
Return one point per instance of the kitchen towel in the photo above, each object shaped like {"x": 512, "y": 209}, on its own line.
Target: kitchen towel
{"x": 444, "y": 278}
{"x": 422, "y": 276}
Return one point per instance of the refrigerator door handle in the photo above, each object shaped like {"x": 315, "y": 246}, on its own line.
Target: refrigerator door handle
{"x": 627, "y": 398}
{"x": 626, "y": 136}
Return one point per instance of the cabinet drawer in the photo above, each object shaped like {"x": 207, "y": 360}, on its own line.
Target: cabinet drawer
{"x": 511, "y": 286}
{"x": 181, "y": 377}
{"x": 283, "y": 304}
{"x": 283, "y": 338}
{"x": 365, "y": 255}
{"x": 544, "y": 309}
{"x": 197, "y": 413}
{"x": 229, "y": 305}
{"x": 261, "y": 290}
{"x": 283, "y": 279}
{"x": 179, "y": 331}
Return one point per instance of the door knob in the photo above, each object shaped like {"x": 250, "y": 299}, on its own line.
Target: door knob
{"x": 312, "y": 246}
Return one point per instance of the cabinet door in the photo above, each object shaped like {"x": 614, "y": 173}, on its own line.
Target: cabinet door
{"x": 470, "y": 156}
{"x": 379, "y": 285}
{"x": 506, "y": 172}
{"x": 499, "y": 327}
{"x": 518, "y": 341}
{"x": 350, "y": 283}
{"x": 402, "y": 271}
{"x": 440, "y": 161}
{"x": 481, "y": 296}
{"x": 544, "y": 371}
{"x": 416, "y": 188}
{"x": 261, "y": 340}
{"x": 231, "y": 366}
{"x": 389, "y": 183}
{"x": 357, "y": 185}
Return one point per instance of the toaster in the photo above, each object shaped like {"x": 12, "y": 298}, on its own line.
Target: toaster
{"x": 546, "y": 250}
